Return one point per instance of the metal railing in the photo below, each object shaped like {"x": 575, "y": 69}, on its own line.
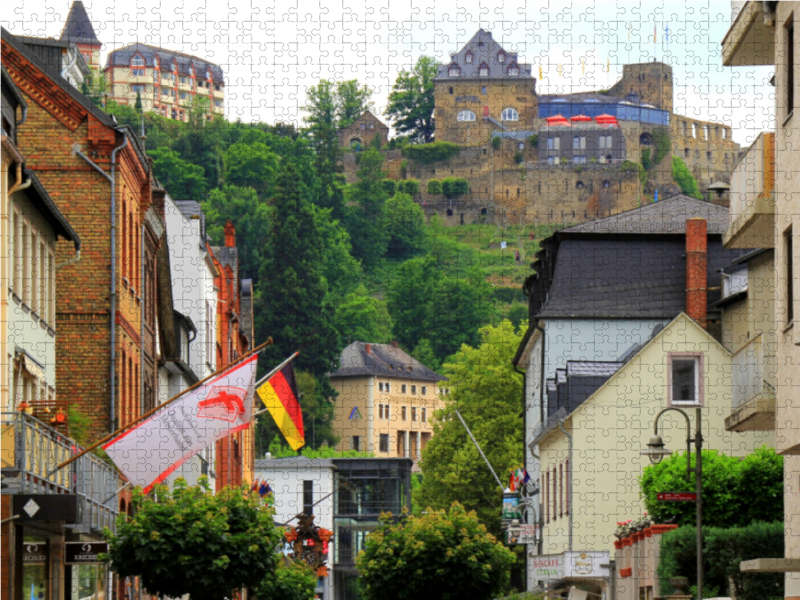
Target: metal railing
{"x": 31, "y": 451}
{"x": 751, "y": 370}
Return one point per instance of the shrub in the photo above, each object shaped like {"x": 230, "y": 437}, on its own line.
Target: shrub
{"x": 663, "y": 144}
{"x": 430, "y": 153}
{"x": 684, "y": 178}
{"x": 629, "y": 165}
{"x": 408, "y": 186}
{"x": 435, "y": 187}
{"x": 534, "y": 140}
{"x": 646, "y": 159}
{"x": 518, "y": 157}
{"x": 453, "y": 187}
{"x": 390, "y": 185}
{"x": 392, "y": 144}
{"x": 496, "y": 141}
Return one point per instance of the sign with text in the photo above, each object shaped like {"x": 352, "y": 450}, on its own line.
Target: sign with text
{"x": 677, "y": 496}
{"x": 524, "y": 534}
{"x": 76, "y": 553}
{"x": 570, "y": 564}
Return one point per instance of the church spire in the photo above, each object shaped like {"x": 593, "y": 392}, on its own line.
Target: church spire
{"x": 78, "y": 28}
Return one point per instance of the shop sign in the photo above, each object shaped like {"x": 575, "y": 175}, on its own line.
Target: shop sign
{"x": 524, "y": 534}
{"x": 34, "y": 553}
{"x": 573, "y": 565}
{"x": 53, "y": 508}
{"x": 77, "y": 553}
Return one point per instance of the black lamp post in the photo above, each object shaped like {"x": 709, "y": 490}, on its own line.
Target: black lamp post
{"x": 656, "y": 452}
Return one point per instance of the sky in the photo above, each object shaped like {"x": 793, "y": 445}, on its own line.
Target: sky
{"x": 271, "y": 51}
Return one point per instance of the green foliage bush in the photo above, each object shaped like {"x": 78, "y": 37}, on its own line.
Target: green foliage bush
{"x": 534, "y": 140}
{"x": 408, "y": 186}
{"x": 662, "y": 142}
{"x": 389, "y": 186}
{"x": 646, "y": 159}
{"x": 290, "y": 581}
{"x": 496, "y": 142}
{"x": 684, "y": 178}
{"x": 435, "y": 186}
{"x": 633, "y": 166}
{"x": 507, "y": 295}
{"x": 426, "y": 154}
{"x": 728, "y": 485}
{"x": 723, "y": 551}
{"x": 446, "y": 554}
{"x": 453, "y": 187}
{"x": 518, "y": 157}
{"x": 189, "y": 540}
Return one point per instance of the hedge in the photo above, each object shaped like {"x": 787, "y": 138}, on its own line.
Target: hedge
{"x": 453, "y": 187}
{"x": 723, "y": 551}
{"x": 431, "y": 153}
{"x": 408, "y": 186}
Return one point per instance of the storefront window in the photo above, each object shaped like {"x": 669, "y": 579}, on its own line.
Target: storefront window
{"x": 34, "y": 568}
{"x": 88, "y": 582}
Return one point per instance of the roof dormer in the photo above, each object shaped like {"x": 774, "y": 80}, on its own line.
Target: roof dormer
{"x": 454, "y": 70}
{"x": 468, "y": 57}
{"x": 513, "y": 69}
{"x": 483, "y": 70}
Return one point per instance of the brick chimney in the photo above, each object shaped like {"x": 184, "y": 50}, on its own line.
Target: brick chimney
{"x": 697, "y": 270}
{"x": 368, "y": 348}
{"x": 230, "y": 235}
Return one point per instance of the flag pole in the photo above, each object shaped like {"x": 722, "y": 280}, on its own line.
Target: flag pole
{"x": 268, "y": 376}
{"x": 160, "y": 406}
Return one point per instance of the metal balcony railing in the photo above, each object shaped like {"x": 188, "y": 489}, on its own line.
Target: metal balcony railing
{"x": 31, "y": 451}
{"x": 751, "y": 370}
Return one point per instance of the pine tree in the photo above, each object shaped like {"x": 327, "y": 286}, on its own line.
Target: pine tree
{"x": 366, "y": 220}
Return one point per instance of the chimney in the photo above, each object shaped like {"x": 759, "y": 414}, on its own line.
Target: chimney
{"x": 230, "y": 235}
{"x": 368, "y": 348}
{"x": 395, "y": 344}
{"x": 697, "y": 270}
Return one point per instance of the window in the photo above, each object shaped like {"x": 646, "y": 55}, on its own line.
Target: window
{"x": 483, "y": 70}
{"x": 403, "y": 388}
{"x": 483, "y": 90}
{"x": 137, "y": 89}
{"x": 685, "y": 153}
{"x": 509, "y": 114}
{"x": 355, "y": 443}
{"x": 501, "y": 57}
{"x": 380, "y": 411}
{"x": 521, "y": 146}
{"x": 789, "y": 50}
{"x": 387, "y": 411}
{"x": 789, "y": 244}
{"x": 413, "y": 390}
{"x": 380, "y": 386}
{"x": 423, "y": 390}
{"x": 466, "y": 115}
{"x": 606, "y": 142}
{"x": 182, "y": 95}
{"x": 413, "y": 413}
{"x": 372, "y": 125}
{"x": 403, "y": 414}
{"x": 579, "y": 143}
{"x": 218, "y": 103}
{"x": 137, "y": 66}
{"x": 709, "y": 156}
{"x": 308, "y": 497}
{"x": 450, "y": 89}
{"x": 579, "y": 160}
{"x": 468, "y": 57}
{"x": 454, "y": 71}
{"x": 685, "y": 378}
{"x": 387, "y": 387}
{"x": 513, "y": 71}
{"x": 683, "y": 128}
{"x": 424, "y": 415}
{"x": 384, "y": 442}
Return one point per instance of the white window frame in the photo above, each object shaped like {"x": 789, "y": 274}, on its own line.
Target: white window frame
{"x": 699, "y": 384}
{"x": 453, "y": 71}
{"x": 466, "y": 115}
{"x": 509, "y": 114}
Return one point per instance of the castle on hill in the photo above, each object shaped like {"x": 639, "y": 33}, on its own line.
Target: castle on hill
{"x": 560, "y": 157}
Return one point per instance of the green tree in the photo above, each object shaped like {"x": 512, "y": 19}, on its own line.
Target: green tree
{"x": 423, "y": 352}
{"x": 182, "y": 179}
{"x": 434, "y": 187}
{"x": 290, "y": 581}
{"x": 487, "y": 392}
{"x": 445, "y": 554}
{"x": 138, "y": 104}
{"x": 252, "y": 165}
{"x": 405, "y": 223}
{"x": 453, "y": 187}
{"x": 191, "y": 541}
{"x": 362, "y": 317}
{"x": 367, "y": 211}
{"x": 728, "y": 500}
{"x": 296, "y": 312}
{"x": 408, "y": 186}
{"x": 684, "y": 178}
{"x": 411, "y": 102}
{"x": 410, "y": 294}
{"x": 459, "y": 308}
{"x": 341, "y": 271}
{"x": 94, "y": 87}
{"x": 352, "y": 100}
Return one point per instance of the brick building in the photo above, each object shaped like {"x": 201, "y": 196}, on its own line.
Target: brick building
{"x": 362, "y": 132}
{"x": 93, "y": 170}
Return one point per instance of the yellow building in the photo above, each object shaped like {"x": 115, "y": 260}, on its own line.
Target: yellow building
{"x": 386, "y": 401}
{"x": 169, "y": 83}
{"x": 590, "y": 458}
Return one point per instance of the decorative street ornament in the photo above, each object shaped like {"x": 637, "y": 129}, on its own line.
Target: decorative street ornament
{"x": 309, "y": 544}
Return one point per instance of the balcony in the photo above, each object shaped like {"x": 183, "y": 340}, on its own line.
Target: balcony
{"x": 751, "y": 39}
{"x": 30, "y": 453}
{"x": 753, "y": 395}
{"x": 753, "y": 197}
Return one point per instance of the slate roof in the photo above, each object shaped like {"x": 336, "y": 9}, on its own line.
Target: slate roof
{"x": 484, "y": 51}
{"x": 122, "y": 58}
{"x": 666, "y": 216}
{"x": 382, "y": 359}
{"x": 78, "y": 27}
{"x": 585, "y": 368}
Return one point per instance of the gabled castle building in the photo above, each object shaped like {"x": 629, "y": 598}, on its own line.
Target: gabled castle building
{"x": 560, "y": 157}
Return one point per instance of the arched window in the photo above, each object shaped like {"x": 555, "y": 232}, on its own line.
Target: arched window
{"x": 509, "y": 114}
{"x": 137, "y": 66}
{"x": 454, "y": 71}
{"x": 501, "y": 57}
{"x": 483, "y": 70}
{"x": 466, "y": 115}
{"x": 646, "y": 139}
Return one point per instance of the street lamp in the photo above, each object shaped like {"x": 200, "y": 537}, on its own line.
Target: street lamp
{"x": 656, "y": 452}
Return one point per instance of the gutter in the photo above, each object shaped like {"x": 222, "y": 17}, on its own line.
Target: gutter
{"x": 113, "y": 309}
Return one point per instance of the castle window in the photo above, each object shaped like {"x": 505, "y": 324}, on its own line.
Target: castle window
{"x": 454, "y": 71}
{"x": 483, "y": 90}
{"x": 137, "y": 66}
{"x": 513, "y": 70}
{"x": 501, "y": 57}
{"x": 606, "y": 184}
{"x": 483, "y": 70}
{"x": 449, "y": 212}
{"x": 372, "y": 125}
{"x": 685, "y": 153}
{"x": 450, "y": 89}
{"x": 509, "y": 114}
{"x": 466, "y": 115}
{"x": 709, "y": 156}
{"x": 579, "y": 185}
{"x": 468, "y": 57}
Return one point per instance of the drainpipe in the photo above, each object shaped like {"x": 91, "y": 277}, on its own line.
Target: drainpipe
{"x": 18, "y": 187}
{"x": 569, "y": 481}
{"x": 113, "y": 309}
{"x": 141, "y": 321}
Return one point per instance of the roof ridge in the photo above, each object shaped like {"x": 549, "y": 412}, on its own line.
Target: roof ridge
{"x": 164, "y": 50}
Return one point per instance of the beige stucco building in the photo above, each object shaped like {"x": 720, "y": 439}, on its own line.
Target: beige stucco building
{"x": 386, "y": 402}
{"x": 765, "y": 33}
{"x": 590, "y": 465}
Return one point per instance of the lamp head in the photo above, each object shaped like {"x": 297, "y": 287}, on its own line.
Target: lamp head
{"x": 655, "y": 449}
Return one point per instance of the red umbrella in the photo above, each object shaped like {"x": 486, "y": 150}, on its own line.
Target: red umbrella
{"x": 606, "y": 120}
{"x": 557, "y": 120}
{"x": 581, "y": 118}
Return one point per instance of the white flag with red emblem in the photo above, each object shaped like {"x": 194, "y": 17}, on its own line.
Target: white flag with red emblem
{"x": 149, "y": 452}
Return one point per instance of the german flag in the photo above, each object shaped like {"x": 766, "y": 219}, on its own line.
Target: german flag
{"x": 280, "y": 397}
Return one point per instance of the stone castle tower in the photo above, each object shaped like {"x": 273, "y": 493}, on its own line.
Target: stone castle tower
{"x": 651, "y": 82}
